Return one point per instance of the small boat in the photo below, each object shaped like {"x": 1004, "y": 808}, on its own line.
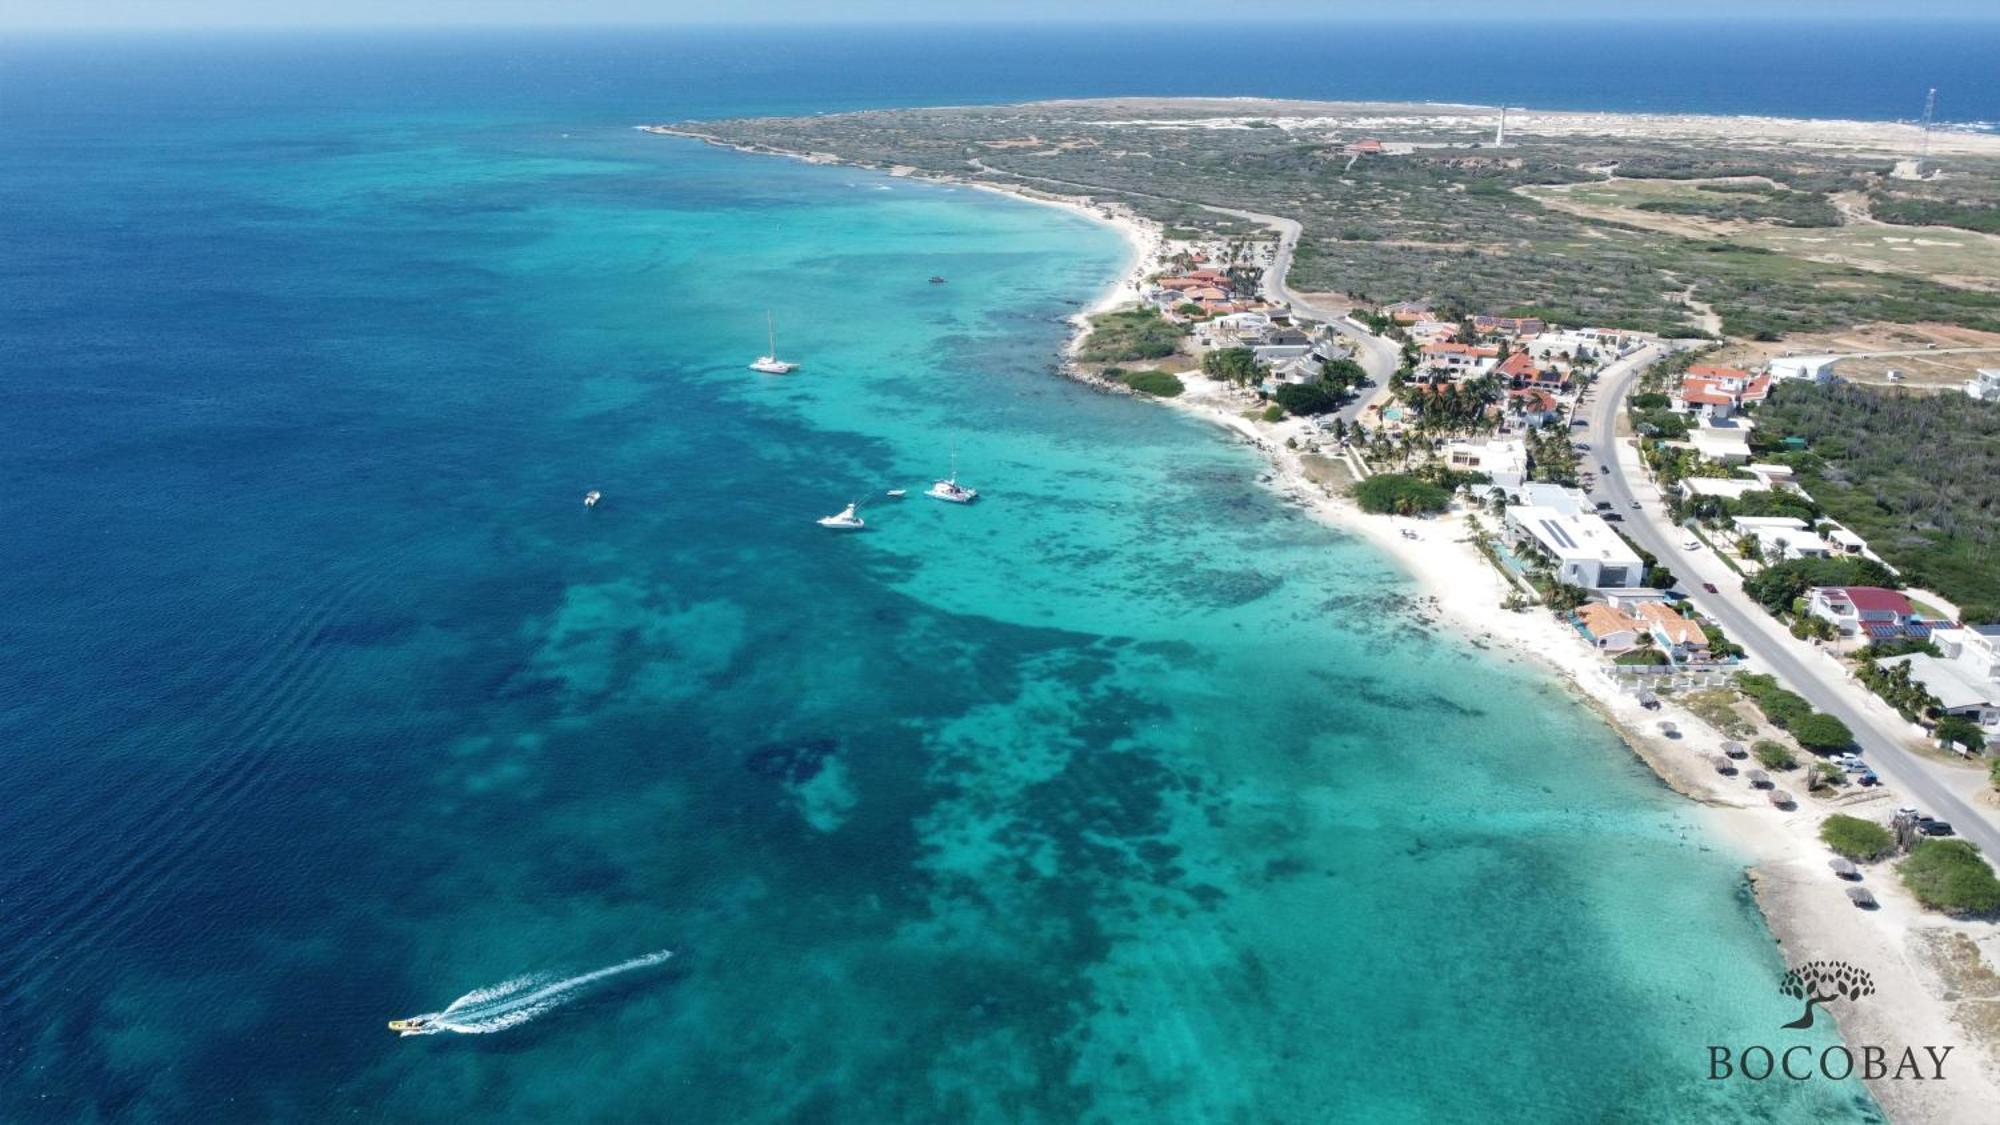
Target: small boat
{"x": 591, "y": 498}
{"x": 898, "y": 493}
{"x": 413, "y": 1024}
{"x": 949, "y": 490}
{"x": 936, "y": 280}
{"x": 845, "y": 521}
{"x": 770, "y": 364}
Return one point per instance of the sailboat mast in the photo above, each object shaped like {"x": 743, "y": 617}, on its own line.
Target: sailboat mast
{"x": 771, "y": 333}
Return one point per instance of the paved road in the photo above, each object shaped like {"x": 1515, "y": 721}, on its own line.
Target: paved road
{"x": 1881, "y": 734}
{"x": 1378, "y": 355}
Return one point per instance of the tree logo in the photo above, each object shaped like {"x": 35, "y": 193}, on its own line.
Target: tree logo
{"x": 1818, "y": 982}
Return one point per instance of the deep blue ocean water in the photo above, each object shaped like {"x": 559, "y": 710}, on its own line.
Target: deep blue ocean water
{"x": 1128, "y": 794}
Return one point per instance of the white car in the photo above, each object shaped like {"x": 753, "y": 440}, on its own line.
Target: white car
{"x": 1690, "y": 544}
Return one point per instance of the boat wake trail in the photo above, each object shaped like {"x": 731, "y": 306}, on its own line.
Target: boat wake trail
{"x": 512, "y": 1003}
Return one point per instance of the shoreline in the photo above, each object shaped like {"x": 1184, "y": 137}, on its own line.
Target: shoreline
{"x": 1802, "y": 905}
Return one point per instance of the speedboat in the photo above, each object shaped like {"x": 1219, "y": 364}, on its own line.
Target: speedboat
{"x": 769, "y": 363}
{"x": 845, "y": 521}
{"x": 936, "y": 280}
{"x": 898, "y": 493}
{"x": 413, "y": 1024}
{"x": 591, "y": 498}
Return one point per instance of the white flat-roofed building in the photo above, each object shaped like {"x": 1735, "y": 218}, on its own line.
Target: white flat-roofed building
{"x": 1782, "y": 537}
{"x": 1584, "y": 549}
{"x": 1985, "y": 384}
{"x": 1730, "y": 487}
{"x": 1813, "y": 368}
{"x": 1504, "y": 461}
{"x": 1966, "y": 679}
{"x": 1727, "y": 444}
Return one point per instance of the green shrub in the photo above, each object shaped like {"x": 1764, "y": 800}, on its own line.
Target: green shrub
{"x": 1993, "y": 773}
{"x": 1642, "y": 656}
{"x": 1308, "y": 398}
{"x": 1961, "y": 731}
{"x": 1949, "y": 875}
{"x": 1164, "y": 384}
{"x": 1822, "y": 732}
{"x": 1773, "y": 755}
{"x": 1855, "y": 838}
{"x": 1273, "y": 413}
{"x": 1400, "y": 494}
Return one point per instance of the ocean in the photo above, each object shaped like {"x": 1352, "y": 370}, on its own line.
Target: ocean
{"x": 1127, "y": 794}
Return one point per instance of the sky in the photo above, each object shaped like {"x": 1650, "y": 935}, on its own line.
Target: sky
{"x": 147, "y": 14}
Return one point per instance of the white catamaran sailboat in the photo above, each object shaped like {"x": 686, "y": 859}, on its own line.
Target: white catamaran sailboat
{"x": 770, "y": 364}
{"x": 845, "y": 521}
{"x": 949, "y": 489}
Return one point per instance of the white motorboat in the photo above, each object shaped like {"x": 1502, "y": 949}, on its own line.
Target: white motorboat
{"x": 591, "y": 498}
{"x": 845, "y": 521}
{"x": 898, "y": 493}
{"x": 949, "y": 489}
{"x": 769, "y": 363}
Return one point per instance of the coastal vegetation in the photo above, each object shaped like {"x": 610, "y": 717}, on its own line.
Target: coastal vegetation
{"x": 1135, "y": 334}
{"x": 1773, "y": 755}
{"x": 1400, "y": 494}
{"x": 1234, "y": 365}
{"x": 1857, "y": 839}
{"x": 1161, "y": 384}
{"x": 1788, "y": 711}
{"x": 1949, "y": 876}
{"x": 1918, "y": 476}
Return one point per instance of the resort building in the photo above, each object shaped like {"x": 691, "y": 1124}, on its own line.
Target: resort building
{"x": 1985, "y": 384}
{"x": 1879, "y": 613}
{"x": 1966, "y": 679}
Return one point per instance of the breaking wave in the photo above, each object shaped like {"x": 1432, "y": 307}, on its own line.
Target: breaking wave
{"x": 512, "y": 1003}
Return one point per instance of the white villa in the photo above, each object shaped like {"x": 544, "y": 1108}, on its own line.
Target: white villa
{"x": 1966, "y": 679}
{"x": 1562, "y": 525}
{"x": 1816, "y": 368}
{"x": 1504, "y": 460}
{"x": 1782, "y": 537}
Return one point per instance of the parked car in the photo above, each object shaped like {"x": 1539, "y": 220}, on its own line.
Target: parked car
{"x": 1613, "y": 517}
{"x": 1583, "y": 445}
{"x": 1604, "y": 468}
{"x": 1635, "y": 505}
{"x": 1931, "y": 827}
{"x": 1710, "y": 587}
{"x": 1690, "y": 544}
{"x": 1867, "y": 777}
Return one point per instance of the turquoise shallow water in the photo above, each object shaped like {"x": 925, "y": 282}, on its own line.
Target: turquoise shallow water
{"x": 1128, "y": 794}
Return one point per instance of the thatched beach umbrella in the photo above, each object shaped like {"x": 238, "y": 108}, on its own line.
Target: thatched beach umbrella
{"x": 1844, "y": 868}
{"x": 1861, "y": 898}
{"x": 1781, "y": 799}
{"x": 1735, "y": 750}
